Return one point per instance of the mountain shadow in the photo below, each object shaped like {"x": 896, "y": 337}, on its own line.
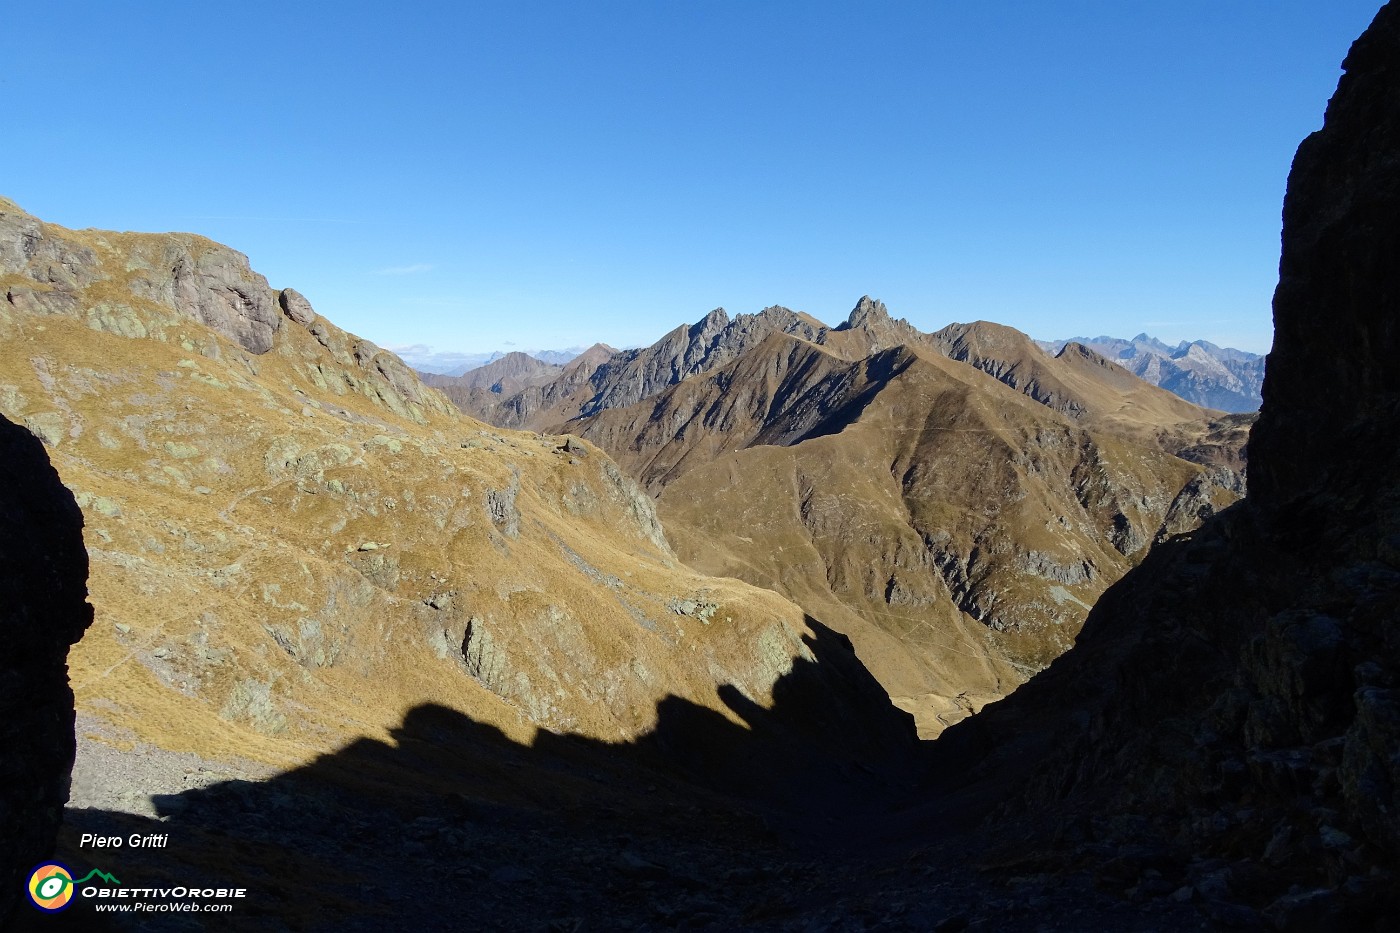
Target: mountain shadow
{"x": 451, "y": 825}
{"x": 707, "y": 822}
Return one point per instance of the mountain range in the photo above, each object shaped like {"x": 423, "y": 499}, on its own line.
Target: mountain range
{"x": 953, "y": 502}
{"x": 429, "y": 362}
{"x": 1221, "y": 378}
{"x": 1198, "y": 371}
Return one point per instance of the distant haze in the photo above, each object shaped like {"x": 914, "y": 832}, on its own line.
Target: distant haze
{"x": 448, "y": 363}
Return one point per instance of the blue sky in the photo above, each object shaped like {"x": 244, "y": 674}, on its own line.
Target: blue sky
{"x": 478, "y": 176}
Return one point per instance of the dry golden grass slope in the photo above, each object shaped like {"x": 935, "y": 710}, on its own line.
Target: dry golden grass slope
{"x": 293, "y": 541}
{"x": 954, "y": 503}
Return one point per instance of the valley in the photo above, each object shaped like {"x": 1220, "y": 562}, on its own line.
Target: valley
{"x": 953, "y": 502}
{"x": 770, "y": 624}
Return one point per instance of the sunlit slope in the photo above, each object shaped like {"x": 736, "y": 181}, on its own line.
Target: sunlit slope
{"x": 293, "y": 541}
{"x": 957, "y": 526}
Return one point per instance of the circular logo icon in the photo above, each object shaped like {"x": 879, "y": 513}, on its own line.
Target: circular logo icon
{"x": 51, "y": 887}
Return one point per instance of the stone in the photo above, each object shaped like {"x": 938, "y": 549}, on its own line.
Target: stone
{"x": 1267, "y": 636}
{"x": 296, "y": 307}
{"x": 484, "y": 660}
{"x": 217, "y": 288}
{"x": 501, "y": 509}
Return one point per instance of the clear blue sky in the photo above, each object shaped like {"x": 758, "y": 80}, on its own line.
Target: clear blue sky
{"x": 474, "y": 176}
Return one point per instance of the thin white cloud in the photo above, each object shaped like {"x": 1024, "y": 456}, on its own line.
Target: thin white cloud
{"x": 428, "y": 359}
{"x": 414, "y": 269}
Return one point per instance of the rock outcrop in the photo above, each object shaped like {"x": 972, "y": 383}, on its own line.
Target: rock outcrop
{"x": 1231, "y": 713}
{"x": 154, "y": 286}
{"x": 43, "y": 610}
{"x": 180, "y": 274}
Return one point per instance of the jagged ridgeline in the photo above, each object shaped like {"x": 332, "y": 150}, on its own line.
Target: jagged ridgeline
{"x": 954, "y": 502}
{"x": 293, "y": 540}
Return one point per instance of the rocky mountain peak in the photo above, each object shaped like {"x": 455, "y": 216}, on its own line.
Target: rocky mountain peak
{"x": 1080, "y": 351}
{"x": 867, "y": 313}
{"x": 710, "y": 324}
{"x": 591, "y": 358}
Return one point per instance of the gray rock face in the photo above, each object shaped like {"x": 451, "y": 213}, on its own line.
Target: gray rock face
{"x": 184, "y": 274}
{"x": 216, "y": 287}
{"x": 43, "y": 610}
{"x": 872, "y": 318}
{"x": 56, "y": 267}
{"x": 715, "y": 340}
{"x": 296, "y": 307}
{"x": 502, "y": 510}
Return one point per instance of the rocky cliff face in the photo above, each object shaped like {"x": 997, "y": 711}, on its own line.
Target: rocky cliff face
{"x": 705, "y": 345}
{"x": 182, "y": 275}
{"x": 43, "y": 610}
{"x": 1236, "y": 700}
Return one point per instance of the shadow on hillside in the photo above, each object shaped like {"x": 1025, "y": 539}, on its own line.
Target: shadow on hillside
{"x": 700, "y": 823}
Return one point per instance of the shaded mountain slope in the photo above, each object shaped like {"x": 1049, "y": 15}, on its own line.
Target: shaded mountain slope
{"x": 626, "y": 377}
{"x": 293, "y": 541}
{"x": 1234, "y": 699}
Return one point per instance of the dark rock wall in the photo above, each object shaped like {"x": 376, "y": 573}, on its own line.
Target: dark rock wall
{"x": 43, "y": 610}
{"x": 1232, "y": 707}
{"x": 1332, "y": 384}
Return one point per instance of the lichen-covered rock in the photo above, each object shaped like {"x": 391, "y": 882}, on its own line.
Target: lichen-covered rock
{"x": 43, "y": 610}
{"x": 501, "y": 508}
